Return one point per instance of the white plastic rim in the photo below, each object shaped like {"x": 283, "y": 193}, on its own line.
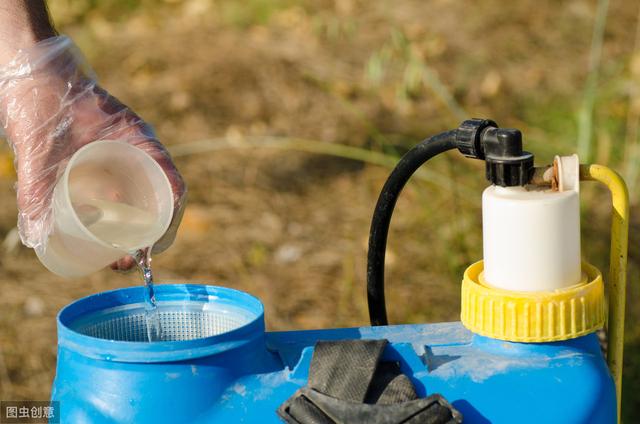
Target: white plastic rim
{"x": 72, "y": 250}
{"x": 531, "y": 238}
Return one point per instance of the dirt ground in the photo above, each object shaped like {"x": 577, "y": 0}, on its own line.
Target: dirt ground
{"x": 290, "y": 226}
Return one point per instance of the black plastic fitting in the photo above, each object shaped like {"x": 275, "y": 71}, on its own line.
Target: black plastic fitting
{"x": 469, "y": 134}
{"x": 507, "y": 165}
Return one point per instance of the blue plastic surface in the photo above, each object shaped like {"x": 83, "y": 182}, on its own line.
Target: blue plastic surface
{"x": 245, "y": 374}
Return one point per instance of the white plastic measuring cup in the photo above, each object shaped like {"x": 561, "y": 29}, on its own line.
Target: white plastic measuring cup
{"x": 112, "y": 199}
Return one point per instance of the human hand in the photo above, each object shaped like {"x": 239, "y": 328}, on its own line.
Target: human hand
{"x": 51, "y": 106}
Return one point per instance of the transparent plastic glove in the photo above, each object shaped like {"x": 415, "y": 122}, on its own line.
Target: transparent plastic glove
{"x": 50, "y": 106}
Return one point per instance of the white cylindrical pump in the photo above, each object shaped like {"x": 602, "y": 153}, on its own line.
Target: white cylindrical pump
{"x": 531, "y": 238}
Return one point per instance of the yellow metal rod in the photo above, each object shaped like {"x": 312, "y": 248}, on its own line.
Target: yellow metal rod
{"x": 617, "y": 266}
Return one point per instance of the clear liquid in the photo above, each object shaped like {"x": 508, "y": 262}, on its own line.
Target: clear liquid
{"x": 119, "y": 224}
{"x": 154, "y": 329}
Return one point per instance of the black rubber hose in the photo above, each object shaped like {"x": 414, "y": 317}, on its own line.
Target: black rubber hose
{"x": 407, "y": 166}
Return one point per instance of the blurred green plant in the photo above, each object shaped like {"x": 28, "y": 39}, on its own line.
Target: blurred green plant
{"x": 252, "y": 12}
{"x": 69, "y": 12}
{"x": 400, "y": 52}
{"x": 303, "y": 145}
{"x": 585, "y": 114}
{"x": 632, "y": 126}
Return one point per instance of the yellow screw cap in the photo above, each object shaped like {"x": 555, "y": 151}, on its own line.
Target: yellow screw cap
{"x": 533, "y": 316}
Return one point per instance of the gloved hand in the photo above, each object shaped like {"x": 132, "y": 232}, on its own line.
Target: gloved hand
{"x": 50, "y": 106}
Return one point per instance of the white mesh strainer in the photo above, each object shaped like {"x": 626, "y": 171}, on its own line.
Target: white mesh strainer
{"x": 178, "y": 320}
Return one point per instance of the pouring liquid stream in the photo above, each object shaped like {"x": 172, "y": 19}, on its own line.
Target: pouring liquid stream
{"x": 154, "y": 329}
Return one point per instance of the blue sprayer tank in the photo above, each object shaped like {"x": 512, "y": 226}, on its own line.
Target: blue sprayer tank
{"x": 525, "y": 350}
{"x": 243, "y": 374}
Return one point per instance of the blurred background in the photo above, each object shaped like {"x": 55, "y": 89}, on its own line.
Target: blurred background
{"x": 286, "y": 116}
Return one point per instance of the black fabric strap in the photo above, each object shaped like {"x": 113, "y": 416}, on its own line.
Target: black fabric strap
{"x": 390, "y": 385}
{"x": 349, "y": 385}
{"x": 344, "y": 369}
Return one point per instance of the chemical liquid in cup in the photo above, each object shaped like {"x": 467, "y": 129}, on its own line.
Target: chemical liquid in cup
{"x": 119, "y": 224}
{"x": 154, "y": 329}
